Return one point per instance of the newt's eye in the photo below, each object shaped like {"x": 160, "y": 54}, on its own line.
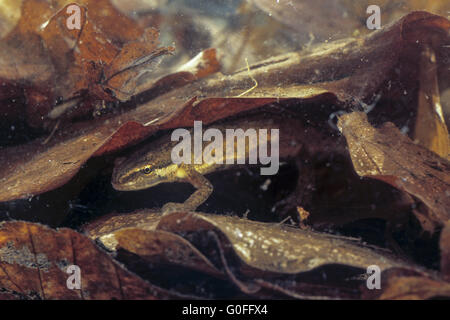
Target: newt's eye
{"x": 147, "y": 170}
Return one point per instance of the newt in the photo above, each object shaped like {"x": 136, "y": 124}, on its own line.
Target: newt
{"x": 153, "y": 164}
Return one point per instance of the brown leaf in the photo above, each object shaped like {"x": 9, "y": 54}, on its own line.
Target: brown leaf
{"x": 34, "y": 258}
{"x": 257, "y": 257}
{"x": 74, "y": 51}
{"x": 406, "y": 285}
{"x": 133, "y": 61}
{"x": 388, "y": 155}
{"x": 33, "y": 169}
{"x": 105, "y": 45}
{"x": 23, "y": 172}
{"x": 430, "y": 129}
{"x": 107, "y": 225}
{"x": 46, "y": 168}
{"x": 415, "y": 288}
{"x": 164, "y": 247}
{"x": 277, "y": 248}
{"x": 280, "y": 79}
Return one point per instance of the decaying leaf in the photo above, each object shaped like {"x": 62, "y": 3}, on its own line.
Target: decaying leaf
{"x": 164, "y": 247}
{"x": 431, "y": 130}
{"x": 95, "y": 63}
{"x": 25, "y": 166}
{"x": 276, "y": 248}
{"x": 415, "y": 288}
{"x": 269, "y": 256}
{"x": 109, "y": 136}
{"x": 406, "y": 285}
{"x": 388, "y": 155}
{"x": 34, "y": 260}
{"x": 99, "y": 92}
{"x": 306, "y": 77}
{"x": 136, "y": 233}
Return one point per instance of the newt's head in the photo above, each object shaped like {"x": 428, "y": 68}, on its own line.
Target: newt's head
{"x": 145, "y": 168}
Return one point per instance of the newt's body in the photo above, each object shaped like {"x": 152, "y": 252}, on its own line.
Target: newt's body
{"x": 153, "y": 164}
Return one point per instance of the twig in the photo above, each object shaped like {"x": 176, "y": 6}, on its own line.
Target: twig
{"x": 251, "y": 77}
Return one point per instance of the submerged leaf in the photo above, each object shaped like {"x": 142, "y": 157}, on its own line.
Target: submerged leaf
{"x": 254, "y": 256}
{"x": 34, "y": 261}
{"x": 406, "y": 285}
{"x": 430, "y": 129}
{"x": 279, "y": 249}
{"x": 388, "y": 155}
{"x": 296, "y": 77}
{"x": 102, "y": 60}
{"x": 163, "y": 247}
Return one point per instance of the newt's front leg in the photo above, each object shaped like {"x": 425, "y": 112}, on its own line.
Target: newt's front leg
{"x": 203, "y": 186}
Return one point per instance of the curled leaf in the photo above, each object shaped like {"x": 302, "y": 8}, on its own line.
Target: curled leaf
{"x": 388, "y": 155}
{"x": 257, "y": 258}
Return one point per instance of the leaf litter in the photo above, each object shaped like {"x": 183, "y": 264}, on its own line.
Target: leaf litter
{"x": 96, "y": 92}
